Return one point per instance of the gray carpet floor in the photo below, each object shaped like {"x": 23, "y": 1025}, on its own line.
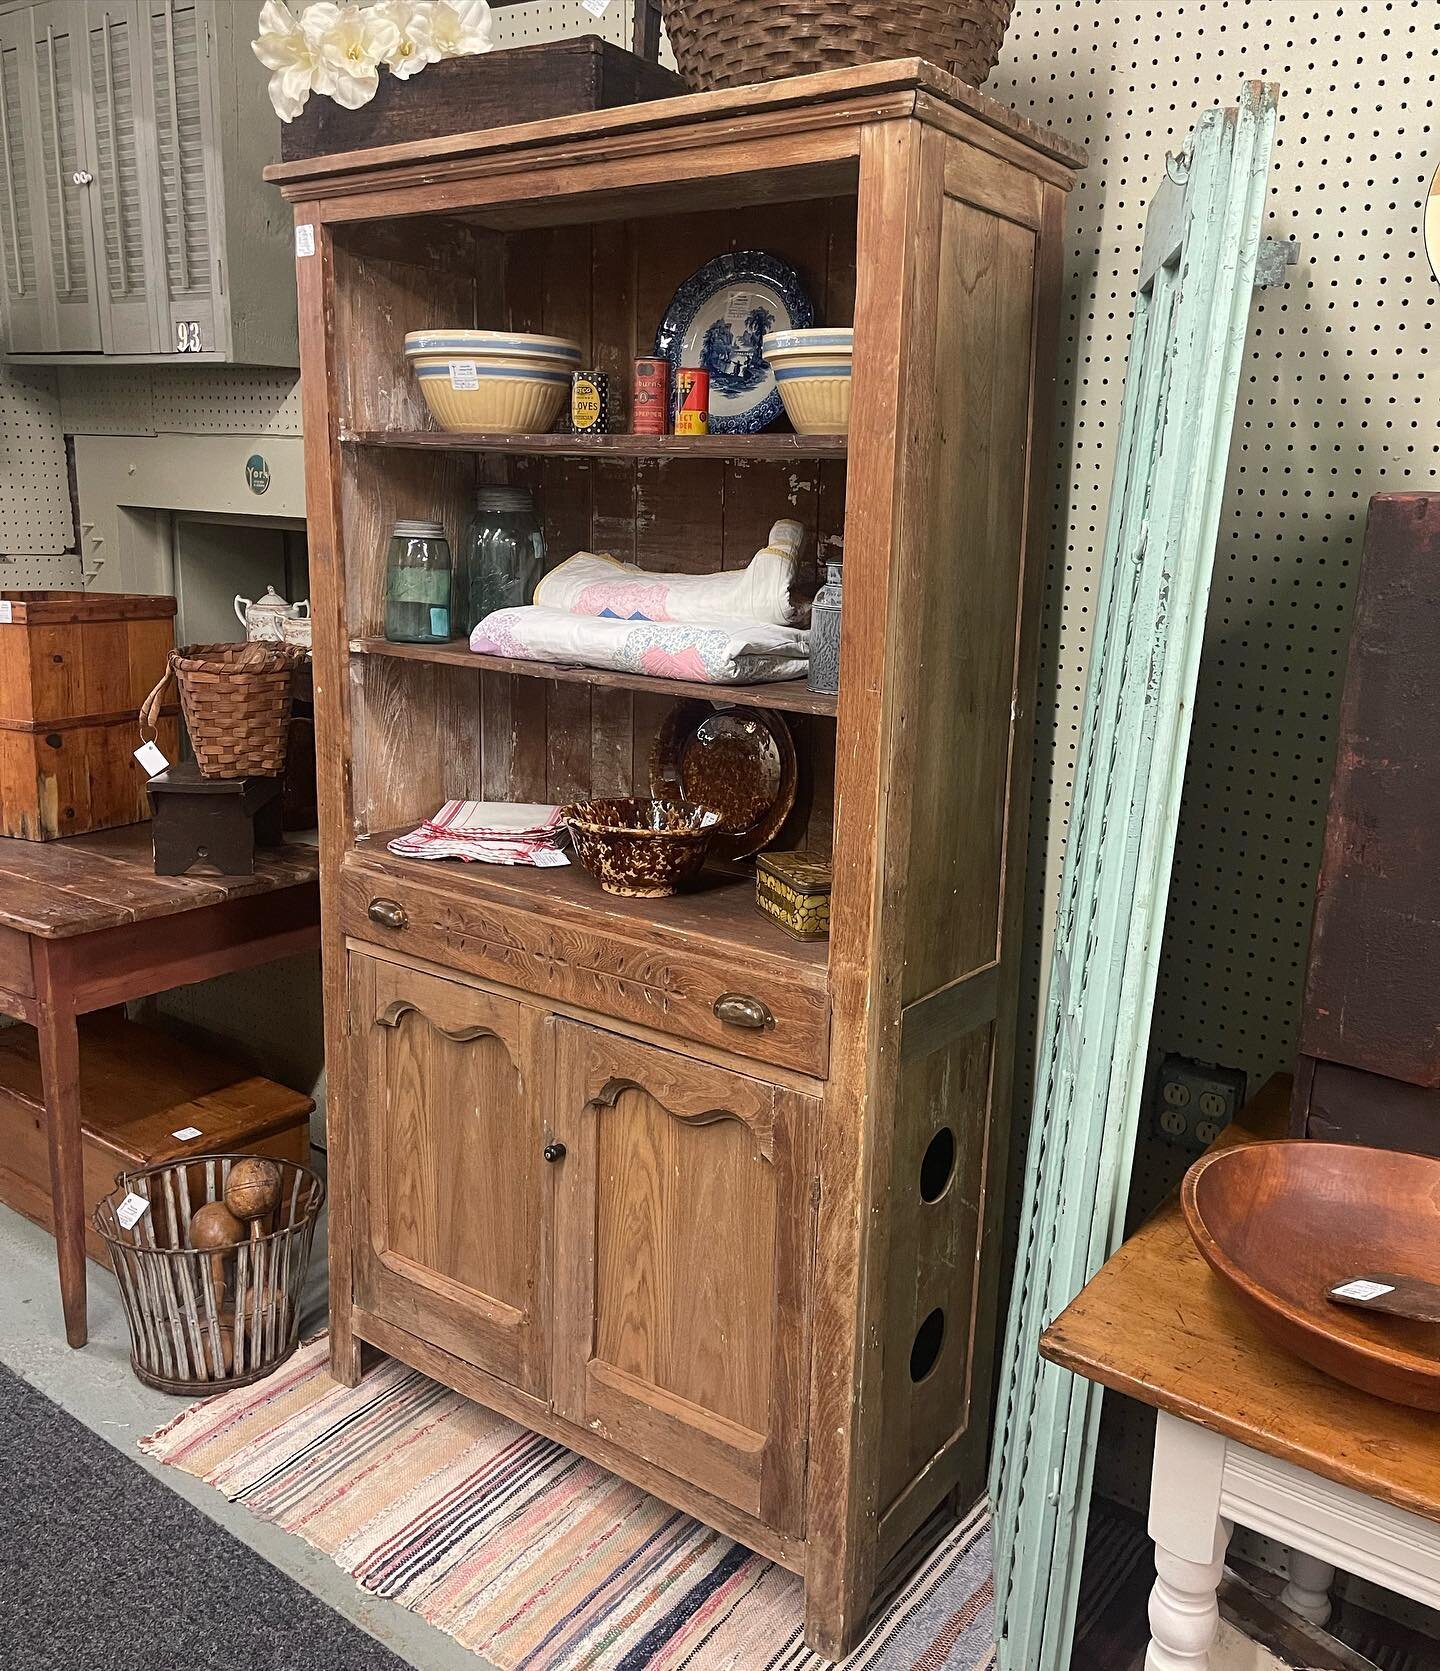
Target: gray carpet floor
{"x": 101, "y": 1566}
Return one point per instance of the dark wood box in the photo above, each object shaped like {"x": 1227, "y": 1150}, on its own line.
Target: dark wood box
{"x": 493, "y": 90}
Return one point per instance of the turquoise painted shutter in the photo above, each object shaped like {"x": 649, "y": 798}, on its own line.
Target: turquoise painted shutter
{"x": 1197, "y": 270}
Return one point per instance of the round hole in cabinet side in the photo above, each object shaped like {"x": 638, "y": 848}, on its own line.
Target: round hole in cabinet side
{"x": 937, "y": 1165}
{"x": 925, "y": 1349}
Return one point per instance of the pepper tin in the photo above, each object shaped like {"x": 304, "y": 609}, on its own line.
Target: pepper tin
{"x": 650, "y": 405}
{"x": 589, "y": 403}
{"x": 692, "y": 401}
{"x": 794, "y": 890}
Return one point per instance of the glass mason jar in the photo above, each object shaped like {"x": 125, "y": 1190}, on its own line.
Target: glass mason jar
{"x": 825, "y": 634}
{"x": 418, "y": 581}
{"x": 502, "y": 554}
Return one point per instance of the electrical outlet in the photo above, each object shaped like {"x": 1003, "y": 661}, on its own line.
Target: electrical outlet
{"x": 1195, "y": 1101}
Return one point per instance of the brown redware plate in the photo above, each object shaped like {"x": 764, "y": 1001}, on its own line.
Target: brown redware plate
{"x": 1283, "y": 1223}
{"x": 741, "y": 761}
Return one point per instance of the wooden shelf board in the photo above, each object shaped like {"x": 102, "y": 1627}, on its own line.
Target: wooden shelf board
{"x": 790, "y": 696}
{"x": 716, "y": 913}
{"x": 609, "y": 446}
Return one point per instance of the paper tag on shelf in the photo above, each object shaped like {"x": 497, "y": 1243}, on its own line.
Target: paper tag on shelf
{"x": 463, "y": 375}
{"x": 596, "y": 8}
{"x": 304, "y": 241}
{"x": 7, "y": 615}
{"x": 185, "y": 1133}
{"x": 151, "y": 759}
{"x": 131, "y": 1210}
{"x": 1361, "y": 1289}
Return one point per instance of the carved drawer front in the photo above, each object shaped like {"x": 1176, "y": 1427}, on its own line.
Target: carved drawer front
{"x": 453, "y": 1204}
{"x": 683, "y": 1240}
{"x": 765, "y": 1007}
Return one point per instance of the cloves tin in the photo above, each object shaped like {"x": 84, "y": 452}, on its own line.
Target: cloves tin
{"x": 692, "y": 401}
{"x": 793, "y": 889}
{"x": 650, "y": 403}
{"x": 590, "y": 403}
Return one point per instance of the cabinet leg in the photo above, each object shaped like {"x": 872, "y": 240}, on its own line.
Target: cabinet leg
{"x": 1307, "y": 1591}
{"x": 344, "y": 1351}
{"x": 834, "y": 1630}
{"x": 1190, "y": 1540}
{"x": 59, "y": 1042}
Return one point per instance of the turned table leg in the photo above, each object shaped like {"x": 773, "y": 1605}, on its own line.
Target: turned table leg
{"x": 1190, "y": 1539}
{"x": 59, "y": 1042}
{"x": 1307, "y": 1591}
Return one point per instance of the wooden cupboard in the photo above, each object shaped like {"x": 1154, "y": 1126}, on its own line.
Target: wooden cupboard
{"x": 745, "y": 1254}
{"x": 133, "y": 222}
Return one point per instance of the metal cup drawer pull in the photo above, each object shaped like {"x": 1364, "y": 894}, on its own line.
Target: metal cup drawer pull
{"x": 389, "y": 913}
{"x": 735, "y": 1009}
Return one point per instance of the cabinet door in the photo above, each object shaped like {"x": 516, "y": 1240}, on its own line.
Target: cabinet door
{"x": 124, "y": 197}
{"x": 22, "y": 199}
{"x": 683, "y": 1237}
{"x": 57, "y": 31}
{"x": 187, "y": 152}
{"x": 452, "y": 1204}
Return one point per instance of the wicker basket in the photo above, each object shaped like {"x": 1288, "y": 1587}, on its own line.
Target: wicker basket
{"x": 236, "y": 702}
{"x": 726, "y": 43}
{"x": 205, "y": 1320}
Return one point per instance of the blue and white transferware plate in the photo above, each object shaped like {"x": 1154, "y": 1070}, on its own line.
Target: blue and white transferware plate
{"x": 717, "y": 320}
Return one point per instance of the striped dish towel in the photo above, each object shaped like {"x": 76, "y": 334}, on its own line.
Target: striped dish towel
{"x": 492, "y": 832}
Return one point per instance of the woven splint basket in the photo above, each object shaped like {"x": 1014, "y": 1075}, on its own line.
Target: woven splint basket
{"x": 236, "y": 703}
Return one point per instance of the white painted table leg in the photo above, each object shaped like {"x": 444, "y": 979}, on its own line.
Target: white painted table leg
{"x": 1308, "y": 1590}
{"x": 1190, "y": 1539}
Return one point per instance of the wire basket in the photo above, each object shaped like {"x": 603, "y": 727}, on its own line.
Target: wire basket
{"x": 236, "y": 702}
{"x": 727, "y": 43}
{"x": 207, "y": 1319}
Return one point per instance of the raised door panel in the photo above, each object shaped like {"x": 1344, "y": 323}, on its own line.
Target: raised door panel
{"x": 124, "y": 197}
{"x": 187, "y": 152}
{"x": 57, "y": 35}
{"x": 453, "y": 1198}
{"x": 683, "y": 1242}
{"x": 29, "y": 314}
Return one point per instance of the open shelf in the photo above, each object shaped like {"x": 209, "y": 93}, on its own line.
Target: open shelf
{"x": 790, "y": 696}
{"x": 716, "y": 915}
{"x": 608, "y": 446}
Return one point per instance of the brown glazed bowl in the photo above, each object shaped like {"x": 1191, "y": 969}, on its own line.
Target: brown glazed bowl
{"x": 638, "y": 848}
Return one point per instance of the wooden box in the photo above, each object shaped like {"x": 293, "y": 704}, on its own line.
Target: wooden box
{"x": 138, "y": 1087}
{"x": 519, "y": 84}
{"x": 74, "y": 669}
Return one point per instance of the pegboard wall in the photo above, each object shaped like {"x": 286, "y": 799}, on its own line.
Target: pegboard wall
{"x": 37, "y": 529}
{"x": 1331, "y": 410}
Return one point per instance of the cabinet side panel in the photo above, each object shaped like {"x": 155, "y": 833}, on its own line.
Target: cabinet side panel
{"x": 960, "y": 609}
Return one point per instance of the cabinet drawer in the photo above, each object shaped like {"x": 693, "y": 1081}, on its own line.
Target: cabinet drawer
{"x": 611, "y": 970}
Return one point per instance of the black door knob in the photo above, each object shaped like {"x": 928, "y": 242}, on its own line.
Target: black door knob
{"x": 554, "y": 1152}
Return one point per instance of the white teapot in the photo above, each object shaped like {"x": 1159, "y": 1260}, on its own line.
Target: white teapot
{"x": 263, "y": 618}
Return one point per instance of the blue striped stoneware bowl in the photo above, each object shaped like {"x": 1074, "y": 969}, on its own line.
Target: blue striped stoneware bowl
{"x": 499, "y": 382}
{"x": 812, "y": 373}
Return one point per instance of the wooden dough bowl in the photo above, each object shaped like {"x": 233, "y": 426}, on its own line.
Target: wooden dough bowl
{"x": 1281, "y": 1223}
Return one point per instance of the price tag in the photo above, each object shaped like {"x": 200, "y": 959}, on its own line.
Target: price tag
{"x": 7, "y": 614}
{"x": 1361, "y": 1289}
{"x": 304, "y": 241}
{"x": 463, "y": 375}
{"x": 596, "y": 8}
{"x": 151, "y": 759}
{"x": 131, "y": 1210}
{"x": 185, "y": 1133}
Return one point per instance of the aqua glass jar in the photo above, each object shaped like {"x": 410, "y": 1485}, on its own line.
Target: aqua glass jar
{"x": 419, "y": 580}
{"x": 502, "y": 554}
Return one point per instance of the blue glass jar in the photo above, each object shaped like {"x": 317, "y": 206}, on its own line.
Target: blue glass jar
{"x": 502, "y": 554}
{"x": 419, "y": 580}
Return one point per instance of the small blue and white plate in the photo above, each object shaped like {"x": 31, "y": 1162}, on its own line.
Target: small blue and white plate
{"x": 717, "y": 320}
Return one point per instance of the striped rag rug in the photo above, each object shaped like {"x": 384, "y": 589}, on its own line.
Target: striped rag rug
{"x": 535, "y": 1557}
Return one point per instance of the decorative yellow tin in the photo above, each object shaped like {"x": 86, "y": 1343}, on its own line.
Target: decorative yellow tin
{"x": 794, "y": 889}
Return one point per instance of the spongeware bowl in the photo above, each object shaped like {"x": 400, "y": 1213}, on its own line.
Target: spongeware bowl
{"x": 641, "y": 849}
{"x": 815, "y": 394}
{"x": 491, "y": 395}
{"x": 507, "y": 346}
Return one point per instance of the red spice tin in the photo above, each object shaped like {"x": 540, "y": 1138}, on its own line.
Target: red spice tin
{"x": 650, "y": 408}
{"x": 692, "y": 401}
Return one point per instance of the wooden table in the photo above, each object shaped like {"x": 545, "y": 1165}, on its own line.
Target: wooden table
{"x": 86, "y": 923}
{"x": 1248, "y": 1434}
